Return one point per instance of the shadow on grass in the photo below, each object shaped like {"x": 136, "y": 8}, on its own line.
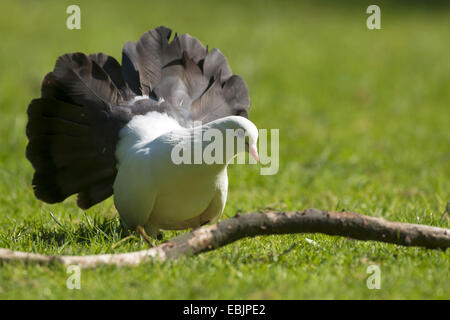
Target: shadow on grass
{"x": 82, "y": 233}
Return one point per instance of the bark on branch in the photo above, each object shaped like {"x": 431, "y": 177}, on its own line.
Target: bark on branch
{"x": 347, "y": 224}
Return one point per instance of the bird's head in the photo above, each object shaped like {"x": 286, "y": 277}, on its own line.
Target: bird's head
{"x": 241, "y": 131}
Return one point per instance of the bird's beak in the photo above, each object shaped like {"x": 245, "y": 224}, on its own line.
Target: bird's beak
{"x": 252, "y": 150}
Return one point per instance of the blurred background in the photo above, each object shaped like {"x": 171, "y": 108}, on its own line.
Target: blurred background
{"x": 364, "y": 115}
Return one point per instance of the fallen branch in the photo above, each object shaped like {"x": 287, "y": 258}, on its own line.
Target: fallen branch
{"x": 347, "y": 224}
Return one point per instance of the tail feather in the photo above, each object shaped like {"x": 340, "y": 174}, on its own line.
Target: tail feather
{"x": 51, "y": 89}
{"x": 114, "y": 71}
{"x": 216, "y": 66}
{"x": 153, "y": 52}
{"x": 195, "y": 49}
{"x": 85, "y": 82}
{"x": 130, "y": 70}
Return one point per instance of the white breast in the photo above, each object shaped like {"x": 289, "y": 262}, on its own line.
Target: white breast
{"x": 150, "y": 187}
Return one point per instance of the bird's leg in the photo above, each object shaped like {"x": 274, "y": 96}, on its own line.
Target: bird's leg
{"x": 153, "y": 231}
{"x": 144, "y": 235}
{"x": 201, "y": 225}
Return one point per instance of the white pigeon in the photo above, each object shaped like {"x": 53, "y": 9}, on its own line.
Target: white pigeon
{"x": 102, "y": 129}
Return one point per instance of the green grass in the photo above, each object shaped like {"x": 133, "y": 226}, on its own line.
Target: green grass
{"x": 364, "y": 119}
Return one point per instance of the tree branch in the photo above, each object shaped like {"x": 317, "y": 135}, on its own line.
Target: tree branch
{"x": 347, "y": 224}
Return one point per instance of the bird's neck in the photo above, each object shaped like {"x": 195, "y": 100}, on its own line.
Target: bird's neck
{"x": 209, "y": 145}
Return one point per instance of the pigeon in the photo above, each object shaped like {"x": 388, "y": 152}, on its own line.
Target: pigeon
{"x": 102, "y": 129}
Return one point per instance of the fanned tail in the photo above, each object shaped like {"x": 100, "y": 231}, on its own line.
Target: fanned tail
{"x": 73, "y": 129}
{"x": 195, "y": 84}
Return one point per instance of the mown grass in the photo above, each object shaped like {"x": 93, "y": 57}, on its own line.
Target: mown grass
{"x": 364, "y": 126}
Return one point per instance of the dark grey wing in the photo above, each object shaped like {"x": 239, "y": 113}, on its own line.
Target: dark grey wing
{"x": 73, "y": 128}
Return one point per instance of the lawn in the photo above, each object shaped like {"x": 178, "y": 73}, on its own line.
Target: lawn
{"x": 364, "y": 119}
